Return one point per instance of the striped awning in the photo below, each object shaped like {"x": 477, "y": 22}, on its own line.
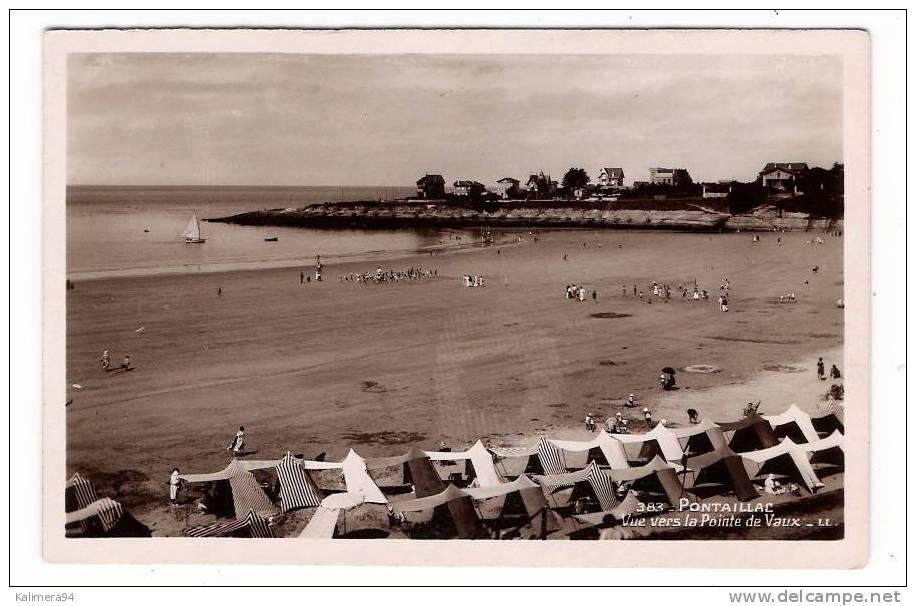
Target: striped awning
{"x": 296, "y": 488}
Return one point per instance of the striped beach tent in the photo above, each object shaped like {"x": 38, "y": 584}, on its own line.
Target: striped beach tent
{"x": 219, "y": 529}
{"x": 81, "y": 492}
{"x": 549, "y": 457}
{"x": 612, "y": 450}
{"x": 256, "y": 526}
{"x": 108, "y": 511}
{"x": 260, "y": 529}
{"x": 247, "y": 494}
{"x": 599, "y": 481}
{"x": 297, "y": 489}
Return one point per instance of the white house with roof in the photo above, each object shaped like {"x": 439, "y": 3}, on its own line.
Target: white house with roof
{"x": 611, "y": 177}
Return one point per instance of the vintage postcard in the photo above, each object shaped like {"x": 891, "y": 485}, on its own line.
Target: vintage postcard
{"x": 457, "y": 297}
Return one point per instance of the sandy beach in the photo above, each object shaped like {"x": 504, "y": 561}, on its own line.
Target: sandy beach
{"x": 325, "y": 366}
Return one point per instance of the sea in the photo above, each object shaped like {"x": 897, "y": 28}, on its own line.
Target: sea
{"x": 117, "y": 231}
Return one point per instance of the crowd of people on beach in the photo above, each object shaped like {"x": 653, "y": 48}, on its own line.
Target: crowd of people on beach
{"x": 663, "y": 292}
{"x": 389, "y": 276}
{"x": 579, "y": 293}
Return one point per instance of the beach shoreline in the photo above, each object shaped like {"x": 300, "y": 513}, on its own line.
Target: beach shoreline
{"x": 332, "y": 365}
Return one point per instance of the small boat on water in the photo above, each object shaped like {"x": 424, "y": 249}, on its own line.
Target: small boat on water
{"x": 191, "y": 233}
{"x": 271, "y": 239}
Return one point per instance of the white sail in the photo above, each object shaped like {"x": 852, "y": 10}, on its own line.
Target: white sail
{"x": 192, "y": 231}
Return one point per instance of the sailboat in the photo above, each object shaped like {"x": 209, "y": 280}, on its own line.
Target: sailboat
{"x": 191, "y": 233}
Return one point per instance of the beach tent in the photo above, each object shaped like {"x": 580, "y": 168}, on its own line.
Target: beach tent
{"x": 721, "y": 467}
{"x": 628, "y": 506}
{"x": 785, "y": 459}
{"x": 753, "y": 432}
{"x": 592, "y": 476}
{"x": 611, "y": 451}
{"x": 251, "y": 526}
{"x": 358, "y": 480}
{"x": 699, "y": 438}
{"x": 826, "y": 450}
{"x": 656, "y": 476}
{"x": 543, "y": 457}
{"x": 531, "y": 496}
{"x": 333, "y": 509}
{"x": 479, "y": 462}
{"x": 829, "y": 421}
{"x": 459, "y": 510}
{"x": 78, "y": 493}
{"x": 303, "y": 463}
{"x": 297, "y": 489}
{"x": 247, "y": 494}
{"x": 645, "y": 446}
{"x": 794, "y": 423}
{"x": 104, "y": 518}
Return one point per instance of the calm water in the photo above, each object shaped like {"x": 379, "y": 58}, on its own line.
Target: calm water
{"x": 106, "y": 237}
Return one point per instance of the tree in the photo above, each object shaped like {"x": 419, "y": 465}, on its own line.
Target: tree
{"x": 575, "y": 178}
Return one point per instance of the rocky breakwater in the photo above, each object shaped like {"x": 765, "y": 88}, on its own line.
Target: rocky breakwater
{"x": 386, "y": 215}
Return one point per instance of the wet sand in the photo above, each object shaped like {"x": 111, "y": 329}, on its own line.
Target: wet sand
{"x": 323, "y": 367}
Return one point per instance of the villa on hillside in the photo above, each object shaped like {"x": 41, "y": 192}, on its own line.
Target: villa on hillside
{"x": 431, "y": 187}
{"x": 540, "y": 186}
{"x": 782, "y": 178}
{"x": 465, "y": 188}
{"x": 717, "y": 190}
{"x": 610, "y": 178}
{"x": 507, "y": 188}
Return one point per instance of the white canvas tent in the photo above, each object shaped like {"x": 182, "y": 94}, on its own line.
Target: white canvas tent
{"x": 668, "y": 444}
{"x": 358, "y": 481}
{"x": 785, "y": 424}
{"x": 612, "y": 449}
{"x": 324, "y": 522}
{"x": 756, "y": 462}
{"x": 480, "y": 458}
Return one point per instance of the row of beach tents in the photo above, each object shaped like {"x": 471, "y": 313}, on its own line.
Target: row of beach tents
{"x": 665, "y": 464}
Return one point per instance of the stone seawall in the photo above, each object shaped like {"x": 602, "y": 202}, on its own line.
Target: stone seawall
{"x": 436, "y": 216}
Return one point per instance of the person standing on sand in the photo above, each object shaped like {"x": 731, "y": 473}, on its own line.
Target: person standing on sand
{"x": 106, "y": 360}
{"x": 174, "y": 483}
{"x": 301, "y": 277}
{"x": 238, "y": 442}
{"x": 595, "y": 296}
{"x": 820, "y": 369}
{"x": 634, "y": 290}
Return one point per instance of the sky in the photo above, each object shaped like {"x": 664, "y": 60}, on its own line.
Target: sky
{"x": 275, "y": 119}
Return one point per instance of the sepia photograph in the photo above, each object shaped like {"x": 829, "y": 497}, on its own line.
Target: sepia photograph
{"x": 413, "y": 293}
